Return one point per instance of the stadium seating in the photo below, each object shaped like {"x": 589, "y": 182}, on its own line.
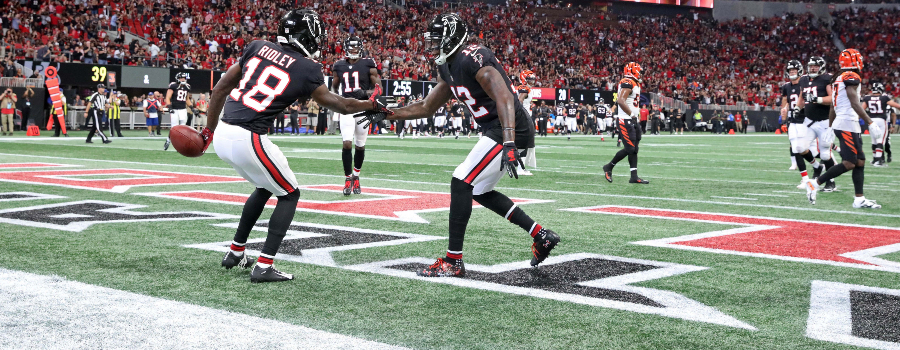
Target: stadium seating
{"x": 736, "y": 61}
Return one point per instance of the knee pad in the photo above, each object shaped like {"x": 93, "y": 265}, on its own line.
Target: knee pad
{"x": 459, "y": 186}
{"x": 359, "y": 144}
{"x": 293, "y": 196}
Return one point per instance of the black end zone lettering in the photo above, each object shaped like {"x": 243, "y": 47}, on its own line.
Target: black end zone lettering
{"x": 78, "y": 216}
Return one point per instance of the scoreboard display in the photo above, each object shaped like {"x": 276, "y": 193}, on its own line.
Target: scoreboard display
{"x": 86, "y": 74}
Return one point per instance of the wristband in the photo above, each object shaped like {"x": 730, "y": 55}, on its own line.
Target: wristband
{"x": 820, "y": 100}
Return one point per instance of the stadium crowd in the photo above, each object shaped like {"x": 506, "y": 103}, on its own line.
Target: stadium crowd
{"x": 736, "y": 61}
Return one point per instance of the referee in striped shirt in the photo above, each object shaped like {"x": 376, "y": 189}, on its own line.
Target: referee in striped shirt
{"x": 98, "y": 105}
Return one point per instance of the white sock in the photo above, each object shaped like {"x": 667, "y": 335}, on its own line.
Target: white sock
{"x": 793, "y": 161}
{"x": 816, "y": 164}
{"x": 356, "y": 172}
{"x": 859, "y": 199}
{"x": 261, "y": 265}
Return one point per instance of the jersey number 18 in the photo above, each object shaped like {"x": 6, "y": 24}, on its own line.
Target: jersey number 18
{"x": 261, "y": 87}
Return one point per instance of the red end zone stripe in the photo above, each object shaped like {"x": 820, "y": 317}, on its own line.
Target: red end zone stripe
{"x": 776, "y": 237}
{"x": 264, "y": 158}
{"x": 484, "y": 162}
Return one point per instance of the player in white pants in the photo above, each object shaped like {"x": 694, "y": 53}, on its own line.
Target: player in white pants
{"x": 439, "y": 121}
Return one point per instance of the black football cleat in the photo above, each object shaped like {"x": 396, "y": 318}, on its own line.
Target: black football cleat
{"x": 638, "y": 181}
{"x": 86, "y": 141}
{"x": 442, "y": 268}
{"x": 230, "y": 260}
{"x": 166, "y": 145}
{"x": 348, "y": 186}
{"x": 607, "y": 172}
{"x": 544, "y": 242}
{"x": 829, "y": 186}
{"x": 107, "y": 141}
{"x": 356, "y": 188}
{"x": 269, "y": 274}
{"x": 888, "y": 159}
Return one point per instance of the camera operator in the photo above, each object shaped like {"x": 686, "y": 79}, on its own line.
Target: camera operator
{"x": 7, "y": 111}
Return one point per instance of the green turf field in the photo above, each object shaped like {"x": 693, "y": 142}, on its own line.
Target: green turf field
{"x": 748, "y": 289}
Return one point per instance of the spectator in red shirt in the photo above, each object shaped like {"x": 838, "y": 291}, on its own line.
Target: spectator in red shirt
{"x": 645, "y": 113}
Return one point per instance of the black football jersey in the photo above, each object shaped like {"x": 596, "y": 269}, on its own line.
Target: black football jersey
{"x": 353, "y": 76}
{"x": 180, "y": 94}
{"x": 272, "y": 78}
{"x": 812, "y": 89}
{"x": 793, "y": 93}
{"x": 460, "y": 73}
{"x": 877, "y": 106}
{"x": 571, "y": 110}
{"x": 602, "y": 111}
{"x": 441, "y": 111}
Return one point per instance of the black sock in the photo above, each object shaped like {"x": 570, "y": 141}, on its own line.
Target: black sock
{"x": 834, "y": 172}
{"x": 252, "y": 210}
{"x": 809, "y": 158}
{"x": 858, "y": 177}
{"x": 887, "y": 148}
{"x": 347, "y": 157}
{"x": 503, "y": 206}
{"x": 633, "y": 162}
{"x": 358, "y": 158}
{"x": 460, "y": 211}
{"x": 280, "y": 221}
{"x": 801, "y": 165}
{"x": 621, "y": 154}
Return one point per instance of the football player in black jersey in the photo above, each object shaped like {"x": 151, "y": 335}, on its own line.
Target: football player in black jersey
{"x": 354, "y": 76}
{"x": 181, "y": 91}
{"x": 268, "y": 78}
{"x": 792, "y": 110}
{"x": 472, "y": 74}
{"x": 816, "y": 85}
{"x": 879, "y": 107}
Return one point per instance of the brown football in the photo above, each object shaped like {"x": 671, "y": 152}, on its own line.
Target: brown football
{"x": 186, "y": 141}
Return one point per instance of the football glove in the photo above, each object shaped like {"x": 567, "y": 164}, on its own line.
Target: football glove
{"x": 207, "y": 136}
{"x": 509, "y": 159}
{"x": 875, "y": 131}
{"x": 377, "y": 115}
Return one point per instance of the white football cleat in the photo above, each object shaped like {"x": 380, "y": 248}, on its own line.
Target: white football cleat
{"x": 802, "y": 184}
{"x": 812, "y": 187}
{"x": 793, "y": 167}
{"x": 866, "y": 203}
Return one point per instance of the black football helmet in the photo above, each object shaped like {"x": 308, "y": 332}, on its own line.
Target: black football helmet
{"x": 353, "y": 47}
{"x": 182, "y": 75}
{"x": 791, "y": 65}
{"x": 302, "y": 31}
{"x": 600, "y": 101}
{"x": 444, "y": 35}
{"x": 877, "y": 88}
{"x": 815, "y": 61}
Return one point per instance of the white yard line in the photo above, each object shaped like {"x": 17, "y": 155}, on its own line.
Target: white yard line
{"x": 49, "y": 312}
{"x": 741, "y": 198}
{"x": 765, "y": 195}
{"x": 805, "y": 208}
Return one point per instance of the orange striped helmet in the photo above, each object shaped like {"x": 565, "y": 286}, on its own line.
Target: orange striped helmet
{"x": 527, "y": 77}
{"x": 633, "y": 70}
{"x": 851, "y": 59}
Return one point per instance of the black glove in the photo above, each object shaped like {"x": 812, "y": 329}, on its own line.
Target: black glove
{"x": 509, "y": 159}
{"x": 370, "y": 117}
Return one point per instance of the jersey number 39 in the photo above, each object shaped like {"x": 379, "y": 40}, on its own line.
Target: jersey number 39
{"x": 261, "y": 87}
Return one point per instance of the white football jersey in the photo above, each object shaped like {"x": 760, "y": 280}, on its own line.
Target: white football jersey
{"x": 845, "y": 117}
{"x": 633, "y": 98}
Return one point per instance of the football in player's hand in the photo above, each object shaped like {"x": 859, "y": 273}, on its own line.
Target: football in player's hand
{"x": 186, "y": 141}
